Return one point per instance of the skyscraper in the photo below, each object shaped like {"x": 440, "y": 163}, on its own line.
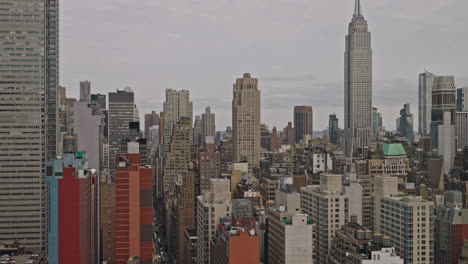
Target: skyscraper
{"x": 377, "y": 122}
{"x": 178, "y": 157}
{"x": 246, "y": 120}
{"x": 209, "y": 125}
{"x": 197, "y": 132}
{"x": 28, "y": 114}
{"x": 443, "y": 100}
{"x": 150, "y": 120}
{"x": 426, "y": 82}
{"x": 405, "y": 127}
{"x": 177, "y": 105}
{"x": 358, "y": 83}
{"x": 461, "y": 126}
{"x": 303, "y": 122}
{"x": 333, "y": 130}
{"x": 85, "y": 91}
{"x": 121, "y": 113}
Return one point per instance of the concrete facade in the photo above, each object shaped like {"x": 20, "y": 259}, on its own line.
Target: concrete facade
{"x": 211, "y": 206}
{"x": 29, "y": 116}
{"x": 328, "y": 206}
{"x": 409, "y": 222}
{"x": 246, "y": 120}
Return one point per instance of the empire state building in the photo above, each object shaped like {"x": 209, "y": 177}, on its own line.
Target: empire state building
{"x": 358, "y": 83}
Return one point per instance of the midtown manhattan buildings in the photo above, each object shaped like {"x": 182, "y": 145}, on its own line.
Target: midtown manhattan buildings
{"x": 28, "y": 116}
{"x": 246, "y": 120}
{"x": 358, "y": 83}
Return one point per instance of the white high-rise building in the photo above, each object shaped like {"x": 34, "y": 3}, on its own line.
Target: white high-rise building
{"x": 426, "y": 82}
{"x": 447, "y": 141}
{"x": 211, "y": 205}
{"x": 328, "y": 205}
{"x": 177, "y": 105}
{"x": 409, "y": 222}
{"x": 28, "y": 116}
{"x": 358, "y": 83}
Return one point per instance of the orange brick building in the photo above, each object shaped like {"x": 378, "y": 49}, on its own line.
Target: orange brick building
{"x": 133, "y": 218}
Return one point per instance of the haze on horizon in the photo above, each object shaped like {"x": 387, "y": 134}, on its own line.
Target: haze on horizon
{"x": 294, "y": 47}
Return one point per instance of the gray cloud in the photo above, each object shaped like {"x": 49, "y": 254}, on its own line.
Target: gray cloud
{"x": 294, "y": 47}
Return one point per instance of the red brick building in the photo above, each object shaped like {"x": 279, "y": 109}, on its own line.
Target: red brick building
{"x": 133, "y": 218}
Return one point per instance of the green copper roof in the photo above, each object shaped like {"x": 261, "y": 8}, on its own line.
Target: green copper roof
{"x": 395, "y": 149}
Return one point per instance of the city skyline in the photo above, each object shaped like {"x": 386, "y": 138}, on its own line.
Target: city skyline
{"x": 314, "y": 70}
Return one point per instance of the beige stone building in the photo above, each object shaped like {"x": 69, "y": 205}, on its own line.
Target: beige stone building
{"x": 246, "y": 120}
{"x": 328, "y": 206}
{"x": 178, "y": 157}
{"x": 211, "y": 205}
{"x": 409, "y": 222}
{"x": 177, "y": 105}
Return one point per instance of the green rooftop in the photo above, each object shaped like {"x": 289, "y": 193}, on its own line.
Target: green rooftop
{"x": 395, "y": 149}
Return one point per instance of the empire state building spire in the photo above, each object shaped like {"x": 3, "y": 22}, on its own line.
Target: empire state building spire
{"x": 357, "y": 9}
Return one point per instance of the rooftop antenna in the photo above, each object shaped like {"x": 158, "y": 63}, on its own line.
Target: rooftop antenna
{"x": 357, "y": 9}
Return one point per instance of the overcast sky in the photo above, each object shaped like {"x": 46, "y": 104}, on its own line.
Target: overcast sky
{"x": 294, "y": 47}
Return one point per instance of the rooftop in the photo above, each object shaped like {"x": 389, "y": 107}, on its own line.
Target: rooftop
{"x": 395, "y": 149}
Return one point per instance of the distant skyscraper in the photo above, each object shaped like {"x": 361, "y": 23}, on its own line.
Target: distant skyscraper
{"x": 426, "y": 82}
{"x": 121, "y": 113}
{"x": 358, "y": 83}
{"x": 377, "y": 122}
{"x": 333, "y": 130}
{"x": 85, "y": 91}
{"x": 99, "y": 100}
{"x": 405, "y": 127}
{"x": 461, "y": 125}
{"x": 443, "y": 100}
{"x": 303, "y": 122}
{"x": 29, "y": 116}
{"x": 246, "y": 120}
{"x": 264, "y": 137}
{"x": 150, "y": 120}
{"x": 198, "y": 132}
{"x": 177, "y": 105}
{"x": 462, "y": 99}
{"x": 209, "y": 124}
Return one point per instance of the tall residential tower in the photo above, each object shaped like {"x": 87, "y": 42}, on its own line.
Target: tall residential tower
{"x": 358, "y": 83}
{"x": 246, "y": 120}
